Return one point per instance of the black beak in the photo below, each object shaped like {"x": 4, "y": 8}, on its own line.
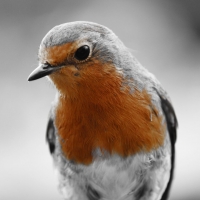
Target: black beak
{"x": 42, "y": 70}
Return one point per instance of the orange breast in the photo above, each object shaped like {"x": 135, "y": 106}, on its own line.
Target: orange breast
{"x": 107, "y": 117}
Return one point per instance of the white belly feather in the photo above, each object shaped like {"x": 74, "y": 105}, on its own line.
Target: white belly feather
{"x": 143, "y": 176}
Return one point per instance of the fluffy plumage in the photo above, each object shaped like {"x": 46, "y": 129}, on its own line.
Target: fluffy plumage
{"x": 112, "y": 128}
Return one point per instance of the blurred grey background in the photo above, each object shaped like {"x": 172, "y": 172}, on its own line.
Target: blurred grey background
{"x": 164, "y": 36}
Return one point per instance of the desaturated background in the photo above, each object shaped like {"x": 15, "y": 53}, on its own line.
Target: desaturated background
{"x": 164, "y": 36}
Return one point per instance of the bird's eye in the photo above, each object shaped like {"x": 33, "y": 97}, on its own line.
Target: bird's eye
{"x": 82, "y": 53}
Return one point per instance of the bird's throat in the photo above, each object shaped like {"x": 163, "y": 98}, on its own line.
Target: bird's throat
{"x": 110, "y": 118}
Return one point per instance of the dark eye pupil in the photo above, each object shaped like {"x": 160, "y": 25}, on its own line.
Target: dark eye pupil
{"x": 82, "y": 53}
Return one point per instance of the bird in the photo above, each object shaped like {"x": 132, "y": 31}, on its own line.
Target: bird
{"x": 112, "y": 128}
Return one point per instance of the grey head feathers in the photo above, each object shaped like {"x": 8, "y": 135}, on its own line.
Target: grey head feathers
{"x": 106, "y": 45}
{"x": 69, "y": 32}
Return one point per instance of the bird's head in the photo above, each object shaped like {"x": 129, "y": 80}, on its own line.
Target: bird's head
{"x": 79, "y": 53}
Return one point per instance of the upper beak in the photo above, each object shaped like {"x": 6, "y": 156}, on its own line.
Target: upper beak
{"x": 41, "y": 71}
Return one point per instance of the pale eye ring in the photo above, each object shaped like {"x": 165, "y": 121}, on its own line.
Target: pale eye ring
{"x": 82, "y": 53}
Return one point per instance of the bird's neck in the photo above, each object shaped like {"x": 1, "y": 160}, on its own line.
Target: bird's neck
{"x": 108, "y": 117}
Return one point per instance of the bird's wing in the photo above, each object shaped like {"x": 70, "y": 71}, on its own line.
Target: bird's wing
{"x": 171, "y": 126}
{"x": 50, "y": 134}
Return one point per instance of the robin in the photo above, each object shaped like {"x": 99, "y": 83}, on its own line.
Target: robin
{"x": 111, "y": 128}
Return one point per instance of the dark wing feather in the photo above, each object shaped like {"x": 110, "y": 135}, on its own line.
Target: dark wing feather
{"x": 50, "y": 135}
{"x": 172, "y": 126}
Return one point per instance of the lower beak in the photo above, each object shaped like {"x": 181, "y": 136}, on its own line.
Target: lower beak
{"x": 41, "y": 71}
